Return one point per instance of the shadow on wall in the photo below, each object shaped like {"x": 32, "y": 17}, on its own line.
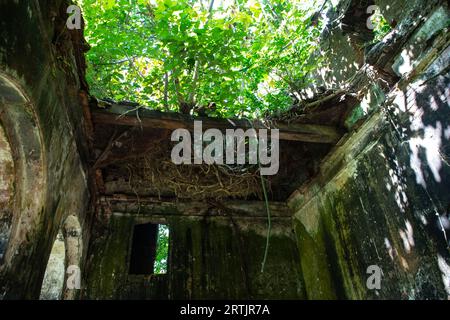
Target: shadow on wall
{"x": 420, "y": 186}
{"x": 422, "y": 111}
{"x": 383, "y": 196}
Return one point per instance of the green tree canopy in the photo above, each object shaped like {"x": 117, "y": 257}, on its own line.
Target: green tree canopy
{"x": 229, "y": 57}
{"x": 162, "y": 250}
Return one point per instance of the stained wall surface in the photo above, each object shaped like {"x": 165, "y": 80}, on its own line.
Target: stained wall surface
{"x": 42, "y": 119}
{"x": 382, "y": 196}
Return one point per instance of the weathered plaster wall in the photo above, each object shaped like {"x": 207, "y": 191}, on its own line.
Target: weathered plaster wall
{"x": 346, "y": 38}
{"x": 210, "y": 258}
{"x": 6, "y": 191}
{"x": 396, "y": 10}
{"x": 382, "y": 196}
{"x": 42, "y": 117}
{"x": 342, "y": 43}
{"x": 53, "y": 283}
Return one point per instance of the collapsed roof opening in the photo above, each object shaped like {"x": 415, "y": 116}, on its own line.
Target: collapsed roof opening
{"x": 245, "y": 60}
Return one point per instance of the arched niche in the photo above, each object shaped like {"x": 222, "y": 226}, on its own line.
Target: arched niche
{"x": 53, "y": 283}
{"x": 21, "y": 141}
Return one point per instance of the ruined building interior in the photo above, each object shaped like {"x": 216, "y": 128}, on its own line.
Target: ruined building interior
{"x": 364, "y": 175}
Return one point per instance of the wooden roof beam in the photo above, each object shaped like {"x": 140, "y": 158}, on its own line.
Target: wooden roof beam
{"x": 153, "y": 206}
{"x": 125, "y": 115}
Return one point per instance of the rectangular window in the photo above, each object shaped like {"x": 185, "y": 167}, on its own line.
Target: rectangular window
{"x": 149, "y": 250}
{"x": 162, "y": 249}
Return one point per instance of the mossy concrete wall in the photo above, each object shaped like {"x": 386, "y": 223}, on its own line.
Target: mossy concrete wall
{"x": 43, "y": 120}
{"x": 382, "y": 197}
{"x": 209, "y": 258}
{"x": 372, "y": 212}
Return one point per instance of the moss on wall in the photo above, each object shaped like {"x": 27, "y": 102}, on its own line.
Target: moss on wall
{"x": 210, "y": 258}
{"x": 38, "y": 59}
{"x": 376, "y": 210}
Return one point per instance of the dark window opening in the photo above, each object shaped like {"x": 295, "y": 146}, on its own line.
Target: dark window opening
{"x": 149, "y": 250}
